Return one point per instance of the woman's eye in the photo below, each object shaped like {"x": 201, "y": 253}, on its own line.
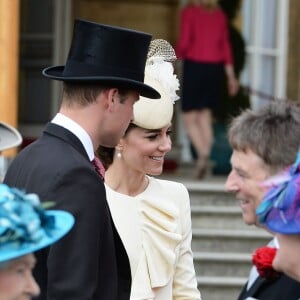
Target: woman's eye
{"x": 169, "y": 132}
{"x": 21, "y": 271}
{"x": 152, "y": 137}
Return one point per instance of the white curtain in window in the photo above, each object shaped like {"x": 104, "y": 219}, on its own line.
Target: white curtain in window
{"x": 265, "y": 31}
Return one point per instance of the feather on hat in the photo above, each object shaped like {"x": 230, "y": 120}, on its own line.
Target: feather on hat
{"x": 159, "y": 74}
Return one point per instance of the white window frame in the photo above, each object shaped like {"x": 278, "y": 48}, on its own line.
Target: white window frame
{"x": 253, "y": 74}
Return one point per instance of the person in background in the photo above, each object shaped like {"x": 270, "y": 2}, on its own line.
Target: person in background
{"x": 152, "y": 216}
{"x": 102, "y": 79}
{"x": 10, "y": 137}
{"x": 264, "y": 142}
{"x": 280, "y": 213}
{"x": 25, "y": 227}
{"x": 203, "y": 45}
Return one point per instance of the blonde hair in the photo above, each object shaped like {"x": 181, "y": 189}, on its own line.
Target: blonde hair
{"x": 206, "y": 3}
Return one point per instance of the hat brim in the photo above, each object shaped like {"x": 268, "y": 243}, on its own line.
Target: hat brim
{"x": 144, "y": 89}
{"x": 9, "y": 137}
{"x": 278, "y": 226}
{"x": 63, "y": 223}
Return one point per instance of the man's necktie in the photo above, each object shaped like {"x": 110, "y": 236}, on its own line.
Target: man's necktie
{"x": 99, "y": 167}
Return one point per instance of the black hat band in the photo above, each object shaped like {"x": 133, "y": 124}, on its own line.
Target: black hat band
{"x": 82, "y": 69}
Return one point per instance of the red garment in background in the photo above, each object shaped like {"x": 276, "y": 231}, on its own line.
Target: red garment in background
{"x": 203, "y": 36}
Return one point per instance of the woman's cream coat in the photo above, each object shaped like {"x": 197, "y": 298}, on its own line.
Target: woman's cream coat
{"x": 155, "y": 227}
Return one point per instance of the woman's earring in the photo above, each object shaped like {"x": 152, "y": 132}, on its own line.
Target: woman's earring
{"x": 119, "y": 154}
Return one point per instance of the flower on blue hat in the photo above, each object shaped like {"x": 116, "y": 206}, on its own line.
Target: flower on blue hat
{"x": 22, "y": 218}
{"x": 25, "y": 225}
{"x": 280, "y": 207}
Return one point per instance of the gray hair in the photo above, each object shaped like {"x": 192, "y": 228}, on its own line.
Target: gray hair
{"x": 272, "y": 133}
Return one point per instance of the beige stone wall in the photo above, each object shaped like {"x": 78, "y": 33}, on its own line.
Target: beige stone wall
{"x": 157, "y": 17}
{"x": 293, "y": 74}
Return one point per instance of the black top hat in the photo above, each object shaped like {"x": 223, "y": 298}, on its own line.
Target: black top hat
{"x": 107, "y": 54}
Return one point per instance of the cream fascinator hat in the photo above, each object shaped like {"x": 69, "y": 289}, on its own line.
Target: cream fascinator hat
{"x": 159, "y": 74}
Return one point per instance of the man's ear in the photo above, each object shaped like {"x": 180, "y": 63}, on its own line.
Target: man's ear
{"x": 108, "y": 98}
{"x": 112, "y": 97}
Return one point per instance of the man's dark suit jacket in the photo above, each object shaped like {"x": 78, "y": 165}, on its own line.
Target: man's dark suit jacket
{"x": 90, "y": 262}
{"x": 282, "y": 288}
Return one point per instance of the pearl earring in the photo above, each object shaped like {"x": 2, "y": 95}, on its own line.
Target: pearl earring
{"x": 119, "y": 154}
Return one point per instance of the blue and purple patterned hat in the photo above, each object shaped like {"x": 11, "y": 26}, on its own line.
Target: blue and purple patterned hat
{"x": 25, "y": 226}
{"x": 280, "y": 207}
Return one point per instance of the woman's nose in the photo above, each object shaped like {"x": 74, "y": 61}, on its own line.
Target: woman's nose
{"x": 165, "y": 144}
{"x": 32, "y": 287}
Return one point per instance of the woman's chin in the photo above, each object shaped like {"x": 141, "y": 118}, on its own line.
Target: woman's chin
{"x": 155, "y": 172}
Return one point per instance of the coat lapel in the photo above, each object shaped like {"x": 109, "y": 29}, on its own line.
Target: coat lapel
{"x": 255, "y": 286}
{"x": 66, "y": 135}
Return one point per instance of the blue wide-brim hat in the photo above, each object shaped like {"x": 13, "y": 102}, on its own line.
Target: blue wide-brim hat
{"x": 280, "y": 208}
{"x": 25, "y": 226}
{"x": 63, "y": 223}
{"x": 110, "y": 55}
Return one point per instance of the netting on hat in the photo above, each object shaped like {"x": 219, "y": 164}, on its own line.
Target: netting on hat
{"x": 159, "y": 66}
{"x": 162, "y": 49}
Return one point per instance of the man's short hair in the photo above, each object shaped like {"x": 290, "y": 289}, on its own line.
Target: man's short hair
{"x": 86, "y": 93}
{"x": 272, "y": 133}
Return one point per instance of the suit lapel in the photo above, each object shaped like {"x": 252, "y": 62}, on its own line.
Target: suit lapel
{"x": 66, "y": 135}
{"x": 253, "y": 289}
{"x": 255, "y": 286}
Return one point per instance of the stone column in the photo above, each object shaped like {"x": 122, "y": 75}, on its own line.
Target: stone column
{"x": 9, "y": 60}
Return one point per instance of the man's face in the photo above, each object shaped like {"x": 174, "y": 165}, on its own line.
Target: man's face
{"x": 248, "y": 171}
{"x": 118, "y": 116}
